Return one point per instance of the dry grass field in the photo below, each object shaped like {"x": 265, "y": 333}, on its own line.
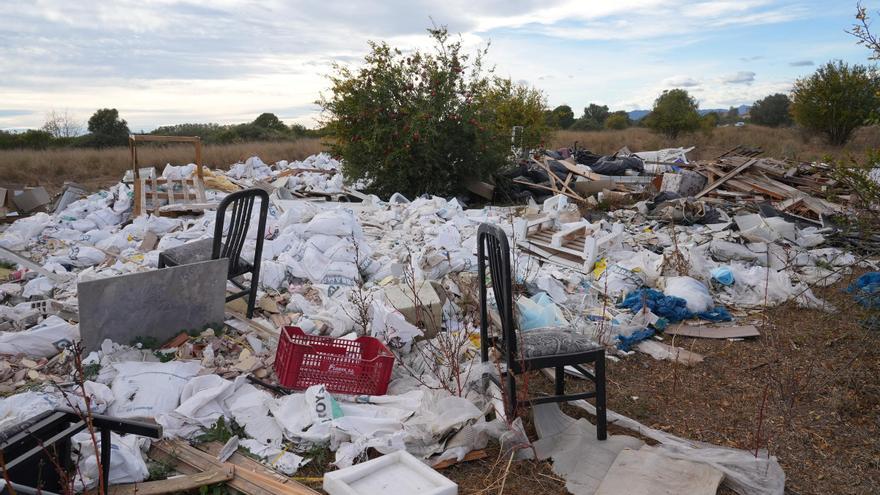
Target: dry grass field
{"x": 97, "y": 168}
{"x": 94, "y": 167}
{"x": 777, "y": 143}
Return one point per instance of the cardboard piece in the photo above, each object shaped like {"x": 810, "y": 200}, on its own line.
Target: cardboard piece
{"x": 714, "y": 332}
{"x": 647, "y": 472}
{"x": 425, "y": 310}
{"x": 30, "y": 199}
{"x": 589, "y": 187}
{"x": 157, "y": 304}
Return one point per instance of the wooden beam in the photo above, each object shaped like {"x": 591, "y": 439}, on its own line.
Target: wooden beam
{"x": 175, "y": 485}
{"x": 711, "y": 187}
{"x": 143, "y": 138}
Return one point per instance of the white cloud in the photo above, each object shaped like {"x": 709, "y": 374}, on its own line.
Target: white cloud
{"x": 681, "y": 82}
{"x": 741, "y": 77}
{"x": 165, "y": 61}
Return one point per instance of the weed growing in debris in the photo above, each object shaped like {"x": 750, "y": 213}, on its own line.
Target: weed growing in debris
{"x": 91, "y": 371}
{"x": 222, "y": 432}
{"x": 159, "y": 470}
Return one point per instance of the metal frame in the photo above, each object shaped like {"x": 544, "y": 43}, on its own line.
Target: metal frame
{"x": 492, "y": 246}
{"x": 27, "y": 448}
{"x": 242, "y": 203}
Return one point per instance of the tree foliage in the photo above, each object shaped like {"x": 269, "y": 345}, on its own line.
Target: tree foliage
{"x": 561, "y": 117}
{"x": 617, "y": 120}
{"x": 107, "y": 129}
{"x": 836, "y": 100}
{"x": 425, "y": 121}
{"x": 772, "y": 111}
{"x": 270, "y": 121}
{"x": 674, "y": 112}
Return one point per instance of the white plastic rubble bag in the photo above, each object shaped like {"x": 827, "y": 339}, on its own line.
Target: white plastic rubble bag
{"x": 145, "y": 390}
{"x": 691, "y": 290}
{"x": 45, "y": 339}
{"x": 17, "y": 408}
{"x": 127, "y": 463}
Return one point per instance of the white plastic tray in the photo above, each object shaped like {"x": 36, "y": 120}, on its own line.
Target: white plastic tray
{"x": 392, "y": 474}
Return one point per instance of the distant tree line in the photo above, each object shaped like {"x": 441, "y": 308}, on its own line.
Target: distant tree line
{"x": 107, "y": 129}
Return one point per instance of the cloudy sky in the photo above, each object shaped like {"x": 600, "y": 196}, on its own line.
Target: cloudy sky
{"x": 168, "y": 61}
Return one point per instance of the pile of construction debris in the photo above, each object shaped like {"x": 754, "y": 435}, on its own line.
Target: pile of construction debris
{"x": 341, "y": 263}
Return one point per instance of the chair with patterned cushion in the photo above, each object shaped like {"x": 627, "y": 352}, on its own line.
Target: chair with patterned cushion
{"x": 242, "y": 205}
{"x": 527, "y": 350}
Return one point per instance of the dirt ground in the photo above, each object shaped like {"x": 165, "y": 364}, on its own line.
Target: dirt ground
{"x": 807, "y": 390}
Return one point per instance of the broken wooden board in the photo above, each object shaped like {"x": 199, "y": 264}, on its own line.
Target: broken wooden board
{"x": 649, "y": 472}
{"x": 733, "y": 173}
{"x": 248, "y": 482}
{"x": 714, "y": 332}
{"x": 473, "y": 455}
{"x": 177, "y": 484}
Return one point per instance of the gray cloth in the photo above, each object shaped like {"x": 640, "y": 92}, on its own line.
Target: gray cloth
{"x": 543, "y": 342}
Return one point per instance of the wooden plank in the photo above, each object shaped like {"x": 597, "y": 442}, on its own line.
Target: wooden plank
{"x": 470, "y": 456}
{"x": 175, "y": 485}
{"x": 245, "y": 481}
{"x": 713, "y": 332}
{"x": 243, "y": 462}
{"x": 141, "y": 138}
{"x": 711, "y": 187}
{"x": 154, "y": 194}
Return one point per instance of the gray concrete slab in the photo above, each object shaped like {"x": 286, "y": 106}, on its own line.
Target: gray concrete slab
{"x": 158, "y": 304}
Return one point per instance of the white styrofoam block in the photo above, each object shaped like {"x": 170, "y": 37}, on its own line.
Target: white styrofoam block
{"x": 396, "y": 473}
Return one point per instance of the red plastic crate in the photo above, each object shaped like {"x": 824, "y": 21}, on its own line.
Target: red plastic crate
{"x": 356, "y": 367}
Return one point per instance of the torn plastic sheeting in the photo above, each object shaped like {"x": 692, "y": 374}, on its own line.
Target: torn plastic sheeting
{"x": 539, "y": 311}
{"x": 281, "y": 460}
{"x": 744, "y": 472}
{"x": 578, "y": 457}
{"x": 866, "y": 290}
{"x": 46, "y": 339}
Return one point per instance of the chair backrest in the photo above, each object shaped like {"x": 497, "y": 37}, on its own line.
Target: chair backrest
{"x": 242, "y": 204}
{"x": 492, "y": 246}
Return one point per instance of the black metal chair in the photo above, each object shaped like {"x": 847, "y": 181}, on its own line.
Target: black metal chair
{"x": 242, "y": 203}
{"x": 533, "y": 349}
{"x": 34, "y": 450}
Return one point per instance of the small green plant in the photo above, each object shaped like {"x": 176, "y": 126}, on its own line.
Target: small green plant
{"x": 159, "y": 470}
{"x": 91, "y": 371}
{"x": 222, "y": 432}
{"x": 218, "y": 489}
{"x": 7, "y": 265}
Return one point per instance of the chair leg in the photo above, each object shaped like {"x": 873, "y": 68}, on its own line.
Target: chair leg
{"x": 252, "y": 298}
{"x": 559, "y": 378}
{"x": 512, "y": 401}
{"x": 601, "y": 415}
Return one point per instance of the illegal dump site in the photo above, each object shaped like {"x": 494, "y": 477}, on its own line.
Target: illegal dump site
{"x": 633, "y": 323}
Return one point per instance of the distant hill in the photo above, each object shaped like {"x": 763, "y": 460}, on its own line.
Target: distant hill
{"x": 640, "y": 114}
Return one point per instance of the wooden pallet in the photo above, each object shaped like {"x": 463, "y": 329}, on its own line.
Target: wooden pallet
{"x": 167, "y": 196}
